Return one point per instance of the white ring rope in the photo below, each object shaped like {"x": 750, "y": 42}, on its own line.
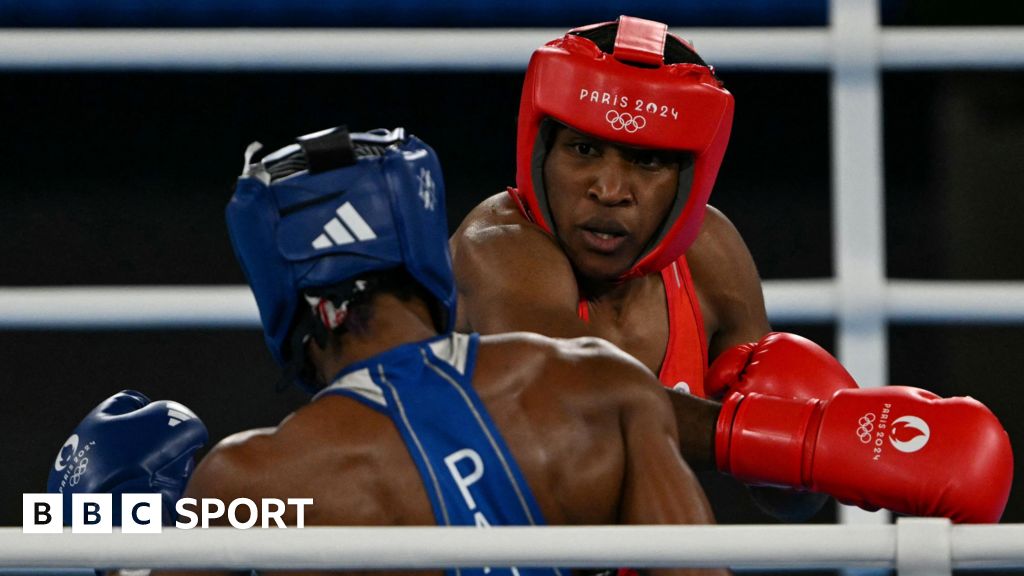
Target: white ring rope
{"x": 473, "y": 49}
{"x": 908, "y": 301}
{"x": 145, "y": 307}
{"x": 747, "y": 546}
{"x": 87, "y": 307}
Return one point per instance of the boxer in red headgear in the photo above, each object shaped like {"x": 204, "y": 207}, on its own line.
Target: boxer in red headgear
{"x": 622, "y": 129}
{"x": 629, "y": 97}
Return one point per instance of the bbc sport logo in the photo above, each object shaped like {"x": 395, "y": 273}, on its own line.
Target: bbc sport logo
{"x": 140, "y": 513}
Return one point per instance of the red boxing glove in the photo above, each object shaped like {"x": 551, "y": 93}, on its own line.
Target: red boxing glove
{"x": 779, "y": 364}
{"x": 895, "y": 447}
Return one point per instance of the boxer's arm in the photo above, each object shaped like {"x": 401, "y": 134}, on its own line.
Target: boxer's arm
{"x": 511, "y": 276}
{"x": 727, "y": 285}
{"x": 659, "y": 487}
{"x": 695, "y": 420}
{"x": 733, "y": 309}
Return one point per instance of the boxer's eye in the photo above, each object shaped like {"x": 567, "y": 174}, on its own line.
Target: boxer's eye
{"x": 583, "y": 148}
{"x": 647, "y": 160}
{"x": 653, "y": 160}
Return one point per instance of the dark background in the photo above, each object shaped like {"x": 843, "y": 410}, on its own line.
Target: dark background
{"x": 121, "y": 179}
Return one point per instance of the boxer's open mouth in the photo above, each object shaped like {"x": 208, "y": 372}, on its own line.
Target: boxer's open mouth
{"x": 605, "y": 227}
{"x": 604, "y": 236}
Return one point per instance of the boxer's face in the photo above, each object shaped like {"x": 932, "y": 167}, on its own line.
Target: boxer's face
{"x": 606, "y": 200}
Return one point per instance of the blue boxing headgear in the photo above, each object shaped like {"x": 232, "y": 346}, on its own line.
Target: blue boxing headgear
{"x": 332, "y": 207}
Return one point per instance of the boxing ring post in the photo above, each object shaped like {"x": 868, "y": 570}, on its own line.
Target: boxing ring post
{"x": 912, "y": 546}
{"x": 858, "y": 220}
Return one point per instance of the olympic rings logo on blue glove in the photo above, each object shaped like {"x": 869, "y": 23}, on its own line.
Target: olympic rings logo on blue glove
{"x": 76, "y": 475}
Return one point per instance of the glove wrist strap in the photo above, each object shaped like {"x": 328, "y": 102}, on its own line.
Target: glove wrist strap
{"x": 770, "y": 440}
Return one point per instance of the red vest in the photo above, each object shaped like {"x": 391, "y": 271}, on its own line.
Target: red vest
{"x": 686, "y": 355}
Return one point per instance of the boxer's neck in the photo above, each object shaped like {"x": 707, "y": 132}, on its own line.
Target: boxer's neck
{"x": 611, "y": 293}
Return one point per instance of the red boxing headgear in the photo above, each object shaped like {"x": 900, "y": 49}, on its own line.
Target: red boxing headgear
{"x": 630, "y": 97}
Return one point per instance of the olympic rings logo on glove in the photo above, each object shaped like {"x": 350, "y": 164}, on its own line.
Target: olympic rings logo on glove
{"x": 865, "y": 425}
{"x": 81, "y": 469}
{"x": 625, "y": 121}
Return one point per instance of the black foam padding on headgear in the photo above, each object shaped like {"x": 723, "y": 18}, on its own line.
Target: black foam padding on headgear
{"x": 329, "y": 151}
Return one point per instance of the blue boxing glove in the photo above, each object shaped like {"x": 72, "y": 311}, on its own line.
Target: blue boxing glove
{"x": 129, "y": 445}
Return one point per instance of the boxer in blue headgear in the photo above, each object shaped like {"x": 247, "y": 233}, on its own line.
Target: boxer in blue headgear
{"x": 312, "y": 222}
{"x": 343, "y": 239}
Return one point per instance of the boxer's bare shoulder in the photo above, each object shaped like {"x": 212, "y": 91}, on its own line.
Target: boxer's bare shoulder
{"x": 496, "y": 228}
{"x": 591, "y": 367}
{"x": 233, "y": 458}
{"x": 496, "y": 213}
{"x": 328, "y": 441}
{"x": 569, "y": 408}
{"x": 498, "y": 256}
{"x": 727, "y": 284}
{"x": 528, "y": 344}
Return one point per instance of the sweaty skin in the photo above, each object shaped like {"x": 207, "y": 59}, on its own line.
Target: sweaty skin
{"x": 589, "y": 426}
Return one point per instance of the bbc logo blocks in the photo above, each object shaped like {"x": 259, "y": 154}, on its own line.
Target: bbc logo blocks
{"x": 141, "y": 513}
{"x": 91, "y": 513}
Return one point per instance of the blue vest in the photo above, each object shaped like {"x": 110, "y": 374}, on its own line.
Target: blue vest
{"x": 470, "y": 475}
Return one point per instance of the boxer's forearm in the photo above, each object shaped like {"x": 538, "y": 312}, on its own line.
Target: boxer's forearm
{"x": 695, "y": 419}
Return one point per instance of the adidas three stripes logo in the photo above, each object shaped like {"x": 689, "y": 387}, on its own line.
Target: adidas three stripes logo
{"x": 346, "y": 228}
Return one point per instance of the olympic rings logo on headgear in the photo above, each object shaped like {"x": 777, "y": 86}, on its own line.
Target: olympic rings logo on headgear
{"x": 865, "y": 425}
{"x": 76, "y": 476}
{"x": 625, "y": 121}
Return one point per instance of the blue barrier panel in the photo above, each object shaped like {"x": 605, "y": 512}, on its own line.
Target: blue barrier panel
{"x": 405, "y": 13}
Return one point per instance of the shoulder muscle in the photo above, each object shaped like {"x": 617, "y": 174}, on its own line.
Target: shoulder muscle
{"x": 238, "y": 456}
{"x": 510, "y": 274}
{"x": 728, "y": 284}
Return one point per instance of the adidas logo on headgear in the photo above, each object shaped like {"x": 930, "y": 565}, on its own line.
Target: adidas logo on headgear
{"x": 340, "y": 230}
{"x": 176, "y": 414}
